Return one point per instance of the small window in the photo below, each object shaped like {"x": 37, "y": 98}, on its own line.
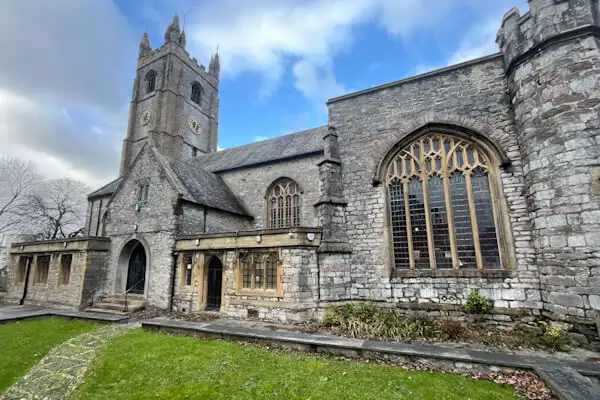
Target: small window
{"x": 194, "y": 152}
{"x": 21, "y": 270}
{"x": 150, "y": 81}
{"x": 196, "y": 92}
{"x": 259, "y": 271}
{"x": 143, "y": 192}
{"x": 64, "y": 274}
{"x": 187, "y": 269}
{"x": 41, "y": 269}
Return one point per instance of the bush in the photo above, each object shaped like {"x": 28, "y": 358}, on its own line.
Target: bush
{"x": 554, "y": 337}
{"x": 476, "y": 303}
{"x": 452, "y": 329}
{"x": 365, "y": 320}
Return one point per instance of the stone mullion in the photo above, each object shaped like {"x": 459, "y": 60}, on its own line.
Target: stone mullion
{"x": 425, "y": 187}
{"x": 411, "y": 258}
{"x": 475, "y": 228}
{"x": 449, "y": 211}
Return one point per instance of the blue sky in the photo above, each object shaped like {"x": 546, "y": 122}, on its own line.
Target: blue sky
{"x": 64, "y": 92}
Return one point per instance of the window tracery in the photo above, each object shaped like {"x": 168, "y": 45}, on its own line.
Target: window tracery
{"x": 441, "y": 205}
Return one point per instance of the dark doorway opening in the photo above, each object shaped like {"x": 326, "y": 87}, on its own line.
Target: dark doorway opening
{"x": 215, "y": 280}
{"x": 136, "y": 273}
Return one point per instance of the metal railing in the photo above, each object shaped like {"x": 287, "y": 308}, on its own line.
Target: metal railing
{"x": 125, "y": 309}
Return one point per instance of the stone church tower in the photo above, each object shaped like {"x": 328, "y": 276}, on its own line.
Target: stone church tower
{"x": 174, "y": 103}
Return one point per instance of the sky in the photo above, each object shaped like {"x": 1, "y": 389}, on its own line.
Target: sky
{"x": 67, "y": 66}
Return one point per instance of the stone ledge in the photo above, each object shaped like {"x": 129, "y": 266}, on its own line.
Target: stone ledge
{"x": 453, "y": 273}
{"x": 83, "y": 315}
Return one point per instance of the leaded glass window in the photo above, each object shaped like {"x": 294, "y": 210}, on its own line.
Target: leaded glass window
{"x": 283, "y": 202}
{"x": 441, "y": 206}
{"x": 259, "y": 271}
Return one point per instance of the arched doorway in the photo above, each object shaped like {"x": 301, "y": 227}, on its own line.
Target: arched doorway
{"x": 136, "y": 270}
{"x": 215, "y": 281}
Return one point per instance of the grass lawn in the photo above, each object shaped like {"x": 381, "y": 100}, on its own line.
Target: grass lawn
{"x": 23, "y": 344}
{"x": 144, "y": 365}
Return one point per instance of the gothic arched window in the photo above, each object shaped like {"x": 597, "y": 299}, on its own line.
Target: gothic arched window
{"x": 150, "y": 81}
{"x": 441, "y": 192}
{"x": 196, "y": 92}
{"x": 283, "y": 204}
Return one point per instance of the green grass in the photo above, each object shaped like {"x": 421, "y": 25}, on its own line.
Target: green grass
{"x": 23, "y": 344}
{"x": 144, "y": 365}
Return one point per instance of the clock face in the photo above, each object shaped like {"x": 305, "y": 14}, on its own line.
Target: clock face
{"x": 194, "y": 126}
{"x": 145, "y": 117}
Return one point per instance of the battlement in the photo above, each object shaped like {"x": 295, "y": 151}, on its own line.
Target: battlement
{"x": 545, "y": 21}
{"x": 175, "y": 41}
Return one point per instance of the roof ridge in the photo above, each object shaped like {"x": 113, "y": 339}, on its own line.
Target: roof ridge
{"x": 261, "y": 141}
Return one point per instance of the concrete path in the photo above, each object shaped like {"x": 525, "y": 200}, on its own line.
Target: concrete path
{"x": 569, "y": 379}
{"x": 63, "y": 368}
{"x": 12, "y": 313}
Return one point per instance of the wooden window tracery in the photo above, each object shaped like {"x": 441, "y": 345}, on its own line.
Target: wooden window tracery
{"x": 259, "y": 271}
{"x": 441, "y": 206}
{"x": 283, "y": 202}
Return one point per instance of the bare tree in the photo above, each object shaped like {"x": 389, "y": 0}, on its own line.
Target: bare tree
{"x": 17, "y": 179}
{"x": 56, "y": 209}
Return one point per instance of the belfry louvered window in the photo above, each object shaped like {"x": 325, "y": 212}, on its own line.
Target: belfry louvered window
{"x": 441, "y": 205}
{"x": 150, "y": 80}
{"x": 196, "y": 93}
{"x": 283, "y": 204}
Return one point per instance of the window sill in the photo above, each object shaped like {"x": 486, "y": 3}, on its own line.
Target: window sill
{"x": 258, "y": 293}
{"x": 453, "y": 273}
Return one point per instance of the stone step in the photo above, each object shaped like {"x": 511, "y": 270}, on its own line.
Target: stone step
{"x": 568, "y": 384}
{"x": 121, "y": 301}
{"x": 104, "y": 311}
{"x": 119, "y": 307}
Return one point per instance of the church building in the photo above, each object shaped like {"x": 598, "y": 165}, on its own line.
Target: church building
{"x": 479, "y": 176}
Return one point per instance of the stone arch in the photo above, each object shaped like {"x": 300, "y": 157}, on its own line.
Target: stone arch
{"x": 296, "y": 208}
{"x": 125, "y": 252}
{"x": 481, "y": 134}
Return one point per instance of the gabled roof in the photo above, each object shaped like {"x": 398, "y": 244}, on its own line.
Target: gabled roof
{"x": 293, "y": 145}
{"x": 107, "y": 189}
{"x": 199, "y": 186}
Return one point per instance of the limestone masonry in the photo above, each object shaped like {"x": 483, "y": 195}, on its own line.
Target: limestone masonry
{"x": 483, "y": 175}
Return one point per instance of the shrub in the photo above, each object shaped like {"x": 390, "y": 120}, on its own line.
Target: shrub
{"x": 476, "y": 303}
{"x": 452, "y": 329}
{"x": 554, "y": 337}
{"x": 365, "y": 320}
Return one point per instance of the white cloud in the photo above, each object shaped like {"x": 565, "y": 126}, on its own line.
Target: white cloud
{"x": 266, "y": 36}
{"x": 64, "y": 85}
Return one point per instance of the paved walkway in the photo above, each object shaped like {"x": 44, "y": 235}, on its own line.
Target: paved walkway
{"x": 11, "y": 313}
{"x": 63, "y": 368}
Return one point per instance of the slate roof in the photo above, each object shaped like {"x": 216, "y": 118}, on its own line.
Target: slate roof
{"x": 195, "y": 178}
{"x": 107, "y": 189}
{"x": 203, "y": 187}
{"x": 292, "y": 145}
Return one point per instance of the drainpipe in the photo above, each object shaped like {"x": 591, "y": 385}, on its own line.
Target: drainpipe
{"x": 25, "y": 287}
{"x": 173, "y": 272}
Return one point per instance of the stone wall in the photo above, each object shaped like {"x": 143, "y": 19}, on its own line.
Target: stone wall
{"x": 153, "y": 226}
{"x": 88, "y": 260}
{"x": 552, "y": 60}
{"x": 471, "y": 96}
{"x": 299, "y": 283}
{"x": 251, "y": 184}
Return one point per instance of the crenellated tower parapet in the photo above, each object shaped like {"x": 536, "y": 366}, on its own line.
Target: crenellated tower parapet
{"x": 552, "y": 62}
{"x": 546, "y": 22}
